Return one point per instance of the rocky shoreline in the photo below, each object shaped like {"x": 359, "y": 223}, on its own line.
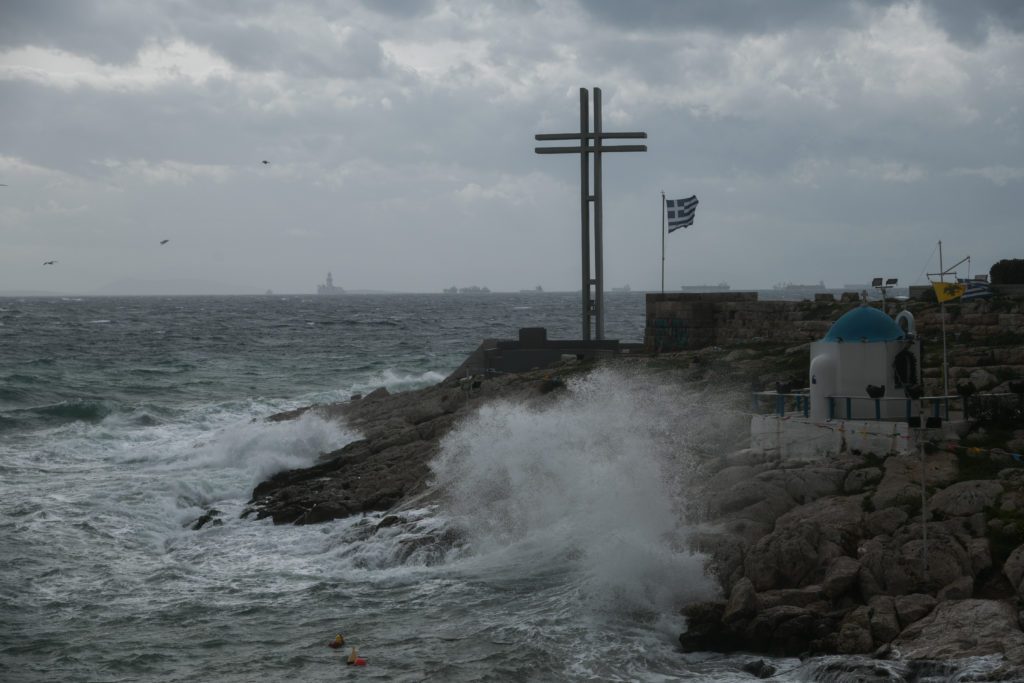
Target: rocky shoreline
{"x": 830, "y": 557}
{"x": 845, "y": 555}
{"x": 388, "y": 467}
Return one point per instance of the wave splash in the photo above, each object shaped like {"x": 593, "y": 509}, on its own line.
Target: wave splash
{"x": 594, "y": 485}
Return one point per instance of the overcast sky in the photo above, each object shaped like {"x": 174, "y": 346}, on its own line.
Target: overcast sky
{"x": 826, "y": 141}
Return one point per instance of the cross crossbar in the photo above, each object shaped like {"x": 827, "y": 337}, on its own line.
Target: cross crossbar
{"x": 577, "y": 150}
{"x": 588, "y": 136}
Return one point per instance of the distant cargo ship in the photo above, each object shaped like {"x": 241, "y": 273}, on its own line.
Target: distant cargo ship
{"x": 467, "y": 290}
{"x": 624, "y": 288}
{"x": 536, "y": 289}
{"x": 720, "y": 287}
{"x": 329, "y": 289}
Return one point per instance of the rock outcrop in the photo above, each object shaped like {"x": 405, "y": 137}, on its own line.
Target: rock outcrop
{"x": 845, "y": 557}
{"x": 389, "y": 465}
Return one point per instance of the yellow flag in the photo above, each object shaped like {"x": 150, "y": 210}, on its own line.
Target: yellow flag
{"x": 947, "y": 291}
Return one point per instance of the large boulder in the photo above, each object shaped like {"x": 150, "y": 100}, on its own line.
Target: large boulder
{"x": 965, "y": 628}
{"x": 840, "y": 576}
{"x": 854, "y": 635}
{"x": 806, "y": 484}
{"x": 965, "y": 498}
{"x": 910, "y": 608}
{"x": 1013, "y": 569}
{"x": 885, "y": 624}
{"x": 901, "y": 483}
{"x": 742, "y": 603}
{"x": 897, "y": 565}
{"x": 786, "y": 630}
{"x": 805, "y": 542}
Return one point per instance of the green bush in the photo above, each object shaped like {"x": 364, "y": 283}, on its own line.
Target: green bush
{"x": 1007, "y": 272}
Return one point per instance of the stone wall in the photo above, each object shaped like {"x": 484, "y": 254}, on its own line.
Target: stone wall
{"x": 984, "y": 338}
{"x": 690, "y": 321}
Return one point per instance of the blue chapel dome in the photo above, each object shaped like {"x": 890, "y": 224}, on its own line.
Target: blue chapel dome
{"x": 864, "y": 324}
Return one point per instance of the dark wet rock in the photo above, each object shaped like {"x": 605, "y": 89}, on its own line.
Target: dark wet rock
{"x": 742, "y": 603}
{"x": 840, "y": 576}
{"x": 836, "y": 574}
{"x": 390, "y": 464}
{"x": 759, "y": 668}
{"x": 854, "y": 635}
{"x": 885, "y": 624}
{"x": 965, "y": 498}
{"x": 211, "y": 517}
{"x": 910, "y": 608}
{"x": 965, "y": 628}
{"x": 389, "y": 521}
{"x": 706, "y": 631}
{"x": 859, "y": 479}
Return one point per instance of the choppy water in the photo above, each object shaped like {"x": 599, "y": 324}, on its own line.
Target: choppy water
{"x": 123, "y": 419}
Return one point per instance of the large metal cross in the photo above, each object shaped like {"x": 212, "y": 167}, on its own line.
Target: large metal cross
{"x": 591, "y": 144}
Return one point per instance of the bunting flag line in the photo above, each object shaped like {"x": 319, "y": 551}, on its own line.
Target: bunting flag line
{"x": 681, "y": 212}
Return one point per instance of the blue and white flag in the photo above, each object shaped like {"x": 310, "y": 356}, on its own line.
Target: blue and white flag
{"x": 976, "y": 289}
{"x": 680, "y": 212}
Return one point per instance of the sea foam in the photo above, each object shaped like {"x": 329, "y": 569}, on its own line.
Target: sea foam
{"x": 595, "y": 484}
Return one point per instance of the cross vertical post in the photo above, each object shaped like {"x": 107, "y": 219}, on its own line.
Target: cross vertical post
{"x": 591, "y": 144}
{"x": 585, "y": 208}
{"x": 598, "y": 221}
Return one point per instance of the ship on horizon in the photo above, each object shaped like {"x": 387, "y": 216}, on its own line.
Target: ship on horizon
{"x": 328, "y": 289}
{"x": 720, "y": 287}
{"x": 466, "y": 290}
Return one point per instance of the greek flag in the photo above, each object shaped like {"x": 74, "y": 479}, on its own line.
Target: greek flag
{"x": 976, "y": 289}
{"x": 680, "y": 212}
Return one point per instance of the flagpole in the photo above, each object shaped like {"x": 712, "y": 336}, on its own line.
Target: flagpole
{"x": 662, "y": 241}
{"x": 942, "y": 309}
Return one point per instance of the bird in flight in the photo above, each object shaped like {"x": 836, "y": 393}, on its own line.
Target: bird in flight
{"x": 48, "y": 263}
{"x": 266, "y": 163}
{"x": 164, "y": 241}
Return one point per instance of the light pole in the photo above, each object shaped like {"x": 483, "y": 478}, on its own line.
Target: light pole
{"x": 883, "y": 288}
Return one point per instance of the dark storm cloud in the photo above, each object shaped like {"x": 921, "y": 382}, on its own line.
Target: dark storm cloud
{"x": 296, "y": 50}
{"x": 969, "y": 22}
{"x": 965, "y": 21}
{"x": 401, "y": 9}
{"x": 106, "y": 32}
{"x": 115, "y": 32}
{"x": 739, "y": 16}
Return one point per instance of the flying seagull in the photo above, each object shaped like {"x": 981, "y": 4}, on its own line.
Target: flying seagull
{"x": 48, "y": 263}
{"x": 266, "y": 163}
{"x": 164, "y": 241}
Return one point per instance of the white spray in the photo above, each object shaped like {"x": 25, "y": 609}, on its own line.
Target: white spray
{"x": 593, "y": 484}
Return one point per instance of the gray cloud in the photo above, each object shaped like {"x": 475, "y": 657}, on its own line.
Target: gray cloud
{"x": 827, "y": 141}
{"x": 738, "y": 16}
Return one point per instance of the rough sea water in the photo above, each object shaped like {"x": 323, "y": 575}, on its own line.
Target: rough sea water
{"x": 122, "y": 420}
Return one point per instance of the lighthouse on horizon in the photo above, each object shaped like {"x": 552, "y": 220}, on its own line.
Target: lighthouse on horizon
{"x": 328, "y": 289}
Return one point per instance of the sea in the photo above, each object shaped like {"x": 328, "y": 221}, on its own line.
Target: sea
{"x": 124, "y": 419}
